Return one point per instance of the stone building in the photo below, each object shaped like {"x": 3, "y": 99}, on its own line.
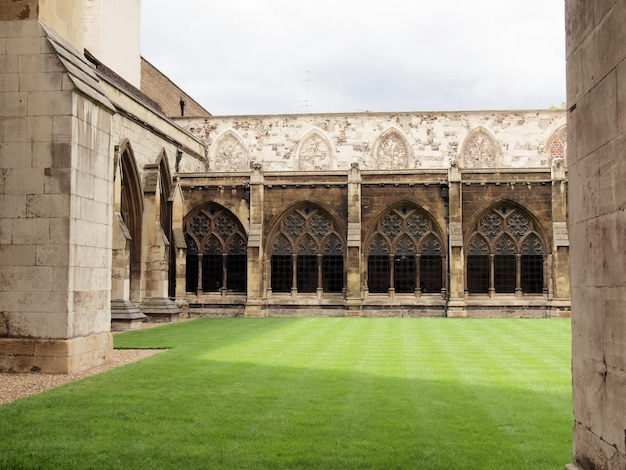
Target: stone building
{"x": 122, "y": 199}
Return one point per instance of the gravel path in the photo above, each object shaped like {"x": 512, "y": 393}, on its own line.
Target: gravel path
{"x": 14, "y": 386}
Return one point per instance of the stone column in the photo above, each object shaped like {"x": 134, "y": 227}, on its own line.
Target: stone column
{"x": 55, "y": 201}
{"x": 156, "y": 304}
{"x": 456, "y": 259}
{"x": 559, "y": 284}
{"x": 256, "y": 277}
{"x": 353, "y": 266}
{"x": 596, "y": 122}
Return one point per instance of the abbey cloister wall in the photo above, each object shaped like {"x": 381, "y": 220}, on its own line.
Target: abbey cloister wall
{"x": 420, "y": 140}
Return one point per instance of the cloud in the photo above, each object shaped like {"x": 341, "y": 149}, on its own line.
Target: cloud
{"x": 248, "y": 57}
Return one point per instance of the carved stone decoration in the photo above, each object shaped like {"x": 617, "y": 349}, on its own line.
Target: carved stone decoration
{"x": 309, "y": 230}
{"x": 293, "y": 226}
{"x": 210, "y": 228}
{"x": 505, "y": 246}
{"x": 212, "y": 246}
{"x": 333, "y": 246}
{"x": 480, "y": 151}
{"x": 392, "y": 153}
{"x": 532, "y": 245}
{"x": 391, "y": 225}
{"x": 491, "y": 225}
{"x": 281, "y": 246}
{"x": 431, "y": 246}
{"x": 517, "y": 225}
{"x": 502, "y": 230}
{"x": 307, "y": 246}
{"x": 408, "y": 225}
{"x": 417, "y": 225}
{"x": 405, "y": 247}
{"x": 192, "y": 246}
{"x": 237, "y": 246}
{"x": 478, "y": 246}
{"x": 230, "y": 155}
{"x": 379, "y": 246}
{"x": 314, "y": 154}
{"x": 320, "y": 225}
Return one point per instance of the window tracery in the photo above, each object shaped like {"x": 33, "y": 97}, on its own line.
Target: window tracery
{"x": 480, "y": 151}
{"x": 216, "y": 250}
{"x": 503, "y": 238}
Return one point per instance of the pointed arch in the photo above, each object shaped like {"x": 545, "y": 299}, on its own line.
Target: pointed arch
{"x": 230, "y": 153}
{"x": 392, "y": 151}
{"x": 129, "y": 204}
{"x": 480, "y": 150}
{"x": 307, "y": 251}
{"x": 505, "y": 251}
{"x": 165, "y": 189}
{"x": 218, "y": 260}
{"x": 404, "y": 251}
{"x": 314, "y": 151}
{"x": 556, "y": 146}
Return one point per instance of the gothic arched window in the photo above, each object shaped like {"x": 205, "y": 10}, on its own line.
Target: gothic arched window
{"x": 405, "y": 253}
{"x": 505, "y": 253}
{"x": 307, "y": 253}
{"x": 216, "y": 250}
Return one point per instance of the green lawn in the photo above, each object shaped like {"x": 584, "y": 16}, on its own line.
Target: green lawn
{"x": 329, "y": 393}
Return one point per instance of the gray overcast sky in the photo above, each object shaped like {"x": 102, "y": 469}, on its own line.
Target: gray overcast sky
{"x": 250, "y": 56}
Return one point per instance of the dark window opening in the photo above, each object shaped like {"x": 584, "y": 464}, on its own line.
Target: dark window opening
{"x": 307, "y": 273}
{"x": 478, "y": 274}
{"x": 405, "y": 274}
{"x": 191, "y": 284}
{"x": 237, "y": 267}
{"x": 282, "y": 273}
{"x": 504, "y": 273}
{"x": 431, "y": 274}
{"x": 332, "y": 273}
{"x": 378, "y": 270}
{"x": 212, "y": 273}
{"x": 532, "y": 274}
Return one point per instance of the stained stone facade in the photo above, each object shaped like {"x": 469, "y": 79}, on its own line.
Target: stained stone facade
{"x": 402, "y": 214}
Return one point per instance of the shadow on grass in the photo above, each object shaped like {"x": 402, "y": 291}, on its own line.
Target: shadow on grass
{"x": 234, "y": 415}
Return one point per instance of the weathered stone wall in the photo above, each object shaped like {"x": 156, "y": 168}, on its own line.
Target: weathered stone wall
{"x": 55, "y": 187}
{"x": 596, "y": 95}
{"x": 381, "y": 141}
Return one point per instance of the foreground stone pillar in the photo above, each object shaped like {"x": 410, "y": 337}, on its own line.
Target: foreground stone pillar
{"x": 456, "y": 294}
{"x": 55, "y": 198}
{"x": 596, "y": 100}
{"x": 256, "y": 288}
{"x": 353, "y": 267}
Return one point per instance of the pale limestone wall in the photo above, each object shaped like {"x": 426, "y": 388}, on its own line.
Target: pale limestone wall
{"x": 112, "y": 34}
{"x": 55, "y": 208}
{"x": 519, "y": 139}
{"x": 596, "y": 90}
{"x": 65, "y": 17}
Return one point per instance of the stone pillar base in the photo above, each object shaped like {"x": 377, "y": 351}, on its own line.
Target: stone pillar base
{"x": 354, "y": 308}
{"x": 253, "y": 309}
{"x": 125, "y": 316}
{"x": 160, "y": 309}
{"x": 55, "y": 356}
{"x": 456, "y": 309}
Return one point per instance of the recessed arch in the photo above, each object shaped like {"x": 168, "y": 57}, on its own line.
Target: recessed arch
{"x": 392, "y": 151}
{"x": 556, "y": 147}
{"x": 480, "y": 149}
{"x": 230, "y": 153}
{"x": 506, "y": 252}
{"x": 404, "y": 252}
{"x": 306, "y": 250}
{"x": 314, "y": 151}
{"x": 216, "y": 250}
